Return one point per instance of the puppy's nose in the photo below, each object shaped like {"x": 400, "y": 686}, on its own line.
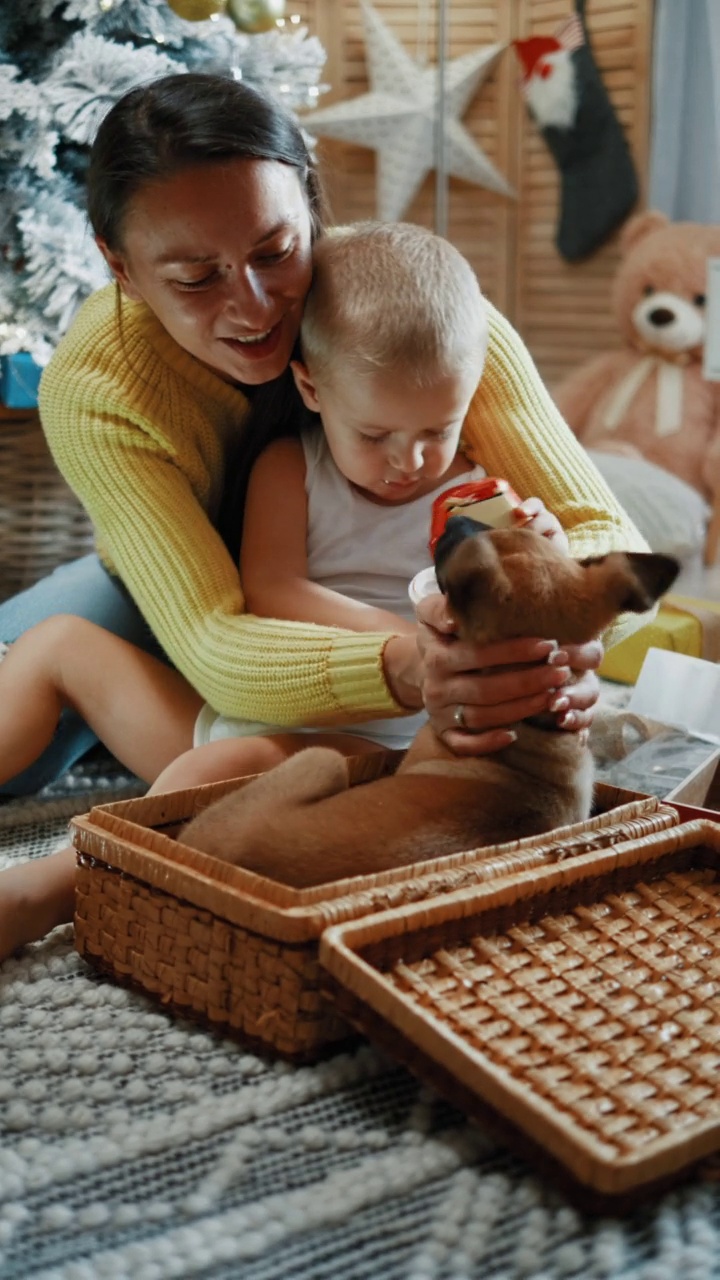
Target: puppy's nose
{"x": 457, "y": 529}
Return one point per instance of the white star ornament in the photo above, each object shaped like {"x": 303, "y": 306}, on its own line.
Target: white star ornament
{"x": 397, "y": 118}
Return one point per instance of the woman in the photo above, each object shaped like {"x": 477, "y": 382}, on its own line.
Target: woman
{"x": 205, "y": 204}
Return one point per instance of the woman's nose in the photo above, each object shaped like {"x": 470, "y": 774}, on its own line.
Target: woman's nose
{"x": 246, "y": 299}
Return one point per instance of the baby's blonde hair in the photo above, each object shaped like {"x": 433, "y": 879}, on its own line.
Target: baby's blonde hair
{"x": 392, "y": 297}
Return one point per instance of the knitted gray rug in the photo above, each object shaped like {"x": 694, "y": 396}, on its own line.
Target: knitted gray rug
{"x": 138, "y": 1147}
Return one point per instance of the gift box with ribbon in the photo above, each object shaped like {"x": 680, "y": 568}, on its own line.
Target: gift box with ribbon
{"x": 683, "y": 624}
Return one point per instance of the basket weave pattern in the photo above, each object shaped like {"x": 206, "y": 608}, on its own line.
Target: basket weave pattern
{"x": 42, "y": 524}
{"x": 582, "y": 1003}
{"x": 200, "y": 965}
{"x": 563, "y": 1001}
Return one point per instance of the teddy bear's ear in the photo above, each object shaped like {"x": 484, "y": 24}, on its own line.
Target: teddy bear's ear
{"x": 637, "y": 227}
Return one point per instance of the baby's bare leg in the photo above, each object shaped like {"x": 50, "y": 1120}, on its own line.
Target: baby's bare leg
{"x": 34, "y": 898}
{"x": 141, "y": 709}
{"x": 239, "y": 757}
{"x": 226, "y": 758}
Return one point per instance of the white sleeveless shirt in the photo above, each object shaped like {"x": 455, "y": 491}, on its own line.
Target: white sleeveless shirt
{"x": 369, "y": 553}
{"x": 359, "y": 548}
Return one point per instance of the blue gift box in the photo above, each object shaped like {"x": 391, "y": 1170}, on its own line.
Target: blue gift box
{"x": 19, "y": 380}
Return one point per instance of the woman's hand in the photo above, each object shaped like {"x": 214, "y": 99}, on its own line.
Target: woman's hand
{"x": 403, "y": 669}
{"x": 533, "y": 514}
{"x": 472, "y": 695}
{"x": 574, "y": 706}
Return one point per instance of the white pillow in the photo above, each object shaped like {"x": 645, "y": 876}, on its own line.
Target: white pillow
{"x": 669, "y": 513}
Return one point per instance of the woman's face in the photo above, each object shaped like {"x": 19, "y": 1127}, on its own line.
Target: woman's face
{"x": 222, "y": 255}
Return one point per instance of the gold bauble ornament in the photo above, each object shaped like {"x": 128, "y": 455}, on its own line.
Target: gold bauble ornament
{"x": 197, "y": 10}
{"x": 255, "y": 15}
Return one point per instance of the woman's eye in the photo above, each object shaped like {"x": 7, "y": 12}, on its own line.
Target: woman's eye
{"x": 278, "y": 255}
{"x": 195, "y": 284}
{"x": 372, "y": 439}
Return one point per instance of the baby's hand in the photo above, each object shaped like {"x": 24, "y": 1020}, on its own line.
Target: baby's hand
{"x": 533, "y": 514}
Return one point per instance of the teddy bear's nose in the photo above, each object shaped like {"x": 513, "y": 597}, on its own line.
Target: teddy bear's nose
{"x": 661, "y": 316}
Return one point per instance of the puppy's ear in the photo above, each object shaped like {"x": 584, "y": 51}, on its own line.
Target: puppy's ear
{"x": 645, "y": 577}
{"x": 457, "y": 529}
{"x": 654, "y": 575}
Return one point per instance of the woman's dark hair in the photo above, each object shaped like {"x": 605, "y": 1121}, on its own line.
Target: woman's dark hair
{"x": 185, "y": 120}
{"x": 276, "y": 410}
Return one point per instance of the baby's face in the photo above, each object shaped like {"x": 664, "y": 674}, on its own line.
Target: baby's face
{"x": 392, "y": 440}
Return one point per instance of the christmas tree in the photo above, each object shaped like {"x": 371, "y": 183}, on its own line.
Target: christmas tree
{"x": 63, "y": 63}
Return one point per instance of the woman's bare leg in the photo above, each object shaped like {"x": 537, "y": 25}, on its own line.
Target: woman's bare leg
{"x": 239, "y": 757}
{"x": 34, "y": 898}
{"x": 142, "y": 710}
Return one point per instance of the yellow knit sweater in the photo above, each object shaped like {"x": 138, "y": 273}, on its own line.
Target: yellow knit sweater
{"x": 139, "y": 428}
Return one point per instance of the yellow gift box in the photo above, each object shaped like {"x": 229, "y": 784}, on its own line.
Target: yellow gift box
{"x": 682, "y": 623}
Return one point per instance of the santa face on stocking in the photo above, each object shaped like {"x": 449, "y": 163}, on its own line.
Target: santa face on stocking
{"x": 567, "y": 99}
{"x": 549, "y": 80}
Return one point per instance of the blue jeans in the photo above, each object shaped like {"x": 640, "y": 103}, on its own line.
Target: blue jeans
{"x": 83, "y": 588}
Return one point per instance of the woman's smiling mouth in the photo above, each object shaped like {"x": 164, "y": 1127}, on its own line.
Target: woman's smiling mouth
{"x": 257, "y": 345}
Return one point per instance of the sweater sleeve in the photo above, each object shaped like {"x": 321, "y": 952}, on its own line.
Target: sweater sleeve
{"x": 177, "y": 569}
{"x": 153, "y": 531}
{"x": 515, "y": 430}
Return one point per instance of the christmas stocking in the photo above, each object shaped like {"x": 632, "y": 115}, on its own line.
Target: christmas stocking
{"x": 569, "y": 101}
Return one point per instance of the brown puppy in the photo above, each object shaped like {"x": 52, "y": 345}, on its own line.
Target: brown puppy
{"x": 301, "y": 824}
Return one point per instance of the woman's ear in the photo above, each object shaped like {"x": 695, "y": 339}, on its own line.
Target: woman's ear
{"x": 118, "y": 267}
{"x": 305, "y": 385}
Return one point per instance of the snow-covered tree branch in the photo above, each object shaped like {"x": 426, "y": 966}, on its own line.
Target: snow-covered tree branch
{"x": 63, "y": 63}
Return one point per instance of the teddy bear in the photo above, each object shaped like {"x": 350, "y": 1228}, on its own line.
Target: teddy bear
{"x": 644, "y": 412}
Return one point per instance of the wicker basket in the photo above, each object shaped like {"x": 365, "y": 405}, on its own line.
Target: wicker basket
{"x": 240, "y": 951}
{"x": 42, "y": 524}
{"x": 576, "y": 1008}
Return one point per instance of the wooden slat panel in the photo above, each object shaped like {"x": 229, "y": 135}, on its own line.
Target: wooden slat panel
{"x": 569, "y": 322}
{"x": 562, "y": 310}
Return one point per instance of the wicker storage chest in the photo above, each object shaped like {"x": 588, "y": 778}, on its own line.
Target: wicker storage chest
{"x": 239, "y": 951}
